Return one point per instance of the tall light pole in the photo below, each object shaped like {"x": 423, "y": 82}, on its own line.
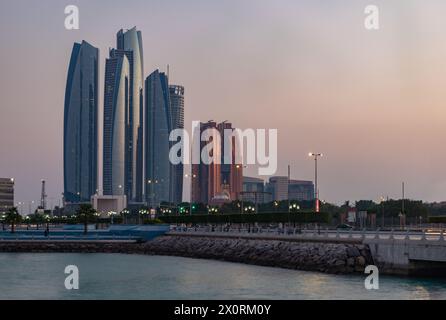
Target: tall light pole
{"x": 192, "y": 176}
{"x": 316, "y": 190}
{"x": 240, "y": 194}
{"x": 402, "y": 200}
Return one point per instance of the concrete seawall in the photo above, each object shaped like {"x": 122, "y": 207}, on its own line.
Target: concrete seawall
{"x": 409, "y": 257}
{"x": 312, "y": 256}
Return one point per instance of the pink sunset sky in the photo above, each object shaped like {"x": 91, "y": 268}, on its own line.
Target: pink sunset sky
{"x": 374, "y": 102}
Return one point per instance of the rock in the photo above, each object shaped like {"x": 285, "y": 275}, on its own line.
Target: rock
{"x": 360, "y": 261}
{"x": 353, "y": 252}
{"x": 339, "y": 263}
{"x": 351, "y": 262}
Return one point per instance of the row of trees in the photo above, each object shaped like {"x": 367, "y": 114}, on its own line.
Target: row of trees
{"x": 85, "y": 214}
{"x": 235, "y": 210}
{"x": 390, "y": 208}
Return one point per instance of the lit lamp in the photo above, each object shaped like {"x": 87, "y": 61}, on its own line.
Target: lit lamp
{"x": 191, "y": 176}
{"x": 316, "y": 191}
{"x": 294, "y": 207}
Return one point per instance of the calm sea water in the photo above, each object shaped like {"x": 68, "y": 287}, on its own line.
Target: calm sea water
{"x": 116, "y": 276}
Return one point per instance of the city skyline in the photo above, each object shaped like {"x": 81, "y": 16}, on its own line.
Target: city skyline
{"x": 379, "y": 121}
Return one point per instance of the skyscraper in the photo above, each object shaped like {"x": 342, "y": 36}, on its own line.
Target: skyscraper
{"x": 231, "y": 173}
{"x": 214, "y": 179}
{"x": 177, "y": 109}
{"x": 80, "y": 124}
{"x": 158, "y": 124}
{"x": 131, "y": 41}
{"x": 116, "y": 111}
{"x": 206, "y": 178}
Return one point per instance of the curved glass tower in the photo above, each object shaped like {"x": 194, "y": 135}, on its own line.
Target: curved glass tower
{"x": 131, "y": 41}
{"x": 80, "y": 124}
{"x": 177, "y": 109}
{"x": 157, "y": 145}
{"x": 116, "y": 110}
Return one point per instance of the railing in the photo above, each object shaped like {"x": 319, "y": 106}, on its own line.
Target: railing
{"x": 437, "y": 235}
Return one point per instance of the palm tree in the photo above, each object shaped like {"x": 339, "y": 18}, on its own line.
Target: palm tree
{"x": 13, "y": 217}
{"x": 36, "y": 219}
{"x": 86, "y": 214}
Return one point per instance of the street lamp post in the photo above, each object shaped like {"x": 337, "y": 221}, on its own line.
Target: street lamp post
{"x": 124, "y": 215}
{"x": 382, "y": 212}
{"x": 142, "y": 213}
{"x": 192, "y": 176}
{"x": 316, "y": 190}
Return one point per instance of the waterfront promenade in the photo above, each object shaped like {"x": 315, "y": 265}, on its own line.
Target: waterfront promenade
{"x": 333, "y": 251}
{"x": 429, "y": 234}
{"x": 394, "y": 252}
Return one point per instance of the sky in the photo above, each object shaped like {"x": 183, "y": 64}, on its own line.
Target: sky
{"x": 373, "y": 102}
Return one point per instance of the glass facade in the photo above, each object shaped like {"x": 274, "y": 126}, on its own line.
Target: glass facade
{"x": 159, "y": 186}
{"x": 80, "y": 124}
{"x": 131, "y": 41}
{"x": 116, "y": 111}
{"x": 177, "y": 108}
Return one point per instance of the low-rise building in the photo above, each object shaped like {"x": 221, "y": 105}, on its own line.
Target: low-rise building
{"x": 6, "y": 194}
{"x": 253, "y": 190}
{"x": 282, "y": 189}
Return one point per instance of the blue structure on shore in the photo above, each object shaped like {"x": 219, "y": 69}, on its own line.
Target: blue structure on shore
{"x": 76, "y": 233}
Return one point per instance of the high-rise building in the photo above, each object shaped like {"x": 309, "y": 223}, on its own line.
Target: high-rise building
{"x": 116, "y": 112}
{"x": 212, "y": 180}
{"x": 129, "y": 42}
{"x": 6, "y": 194}
{"x": 177, "y": 109}
{"x": 158, "y": 124}
{"x": 231, "y": 173}
{"x": 206, "y": 178}
{"x": 81, "y": 124}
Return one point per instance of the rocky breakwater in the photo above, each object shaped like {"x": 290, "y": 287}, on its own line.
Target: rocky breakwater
{"x": 303, "y": 255}
{"x": 314, "y": 256}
